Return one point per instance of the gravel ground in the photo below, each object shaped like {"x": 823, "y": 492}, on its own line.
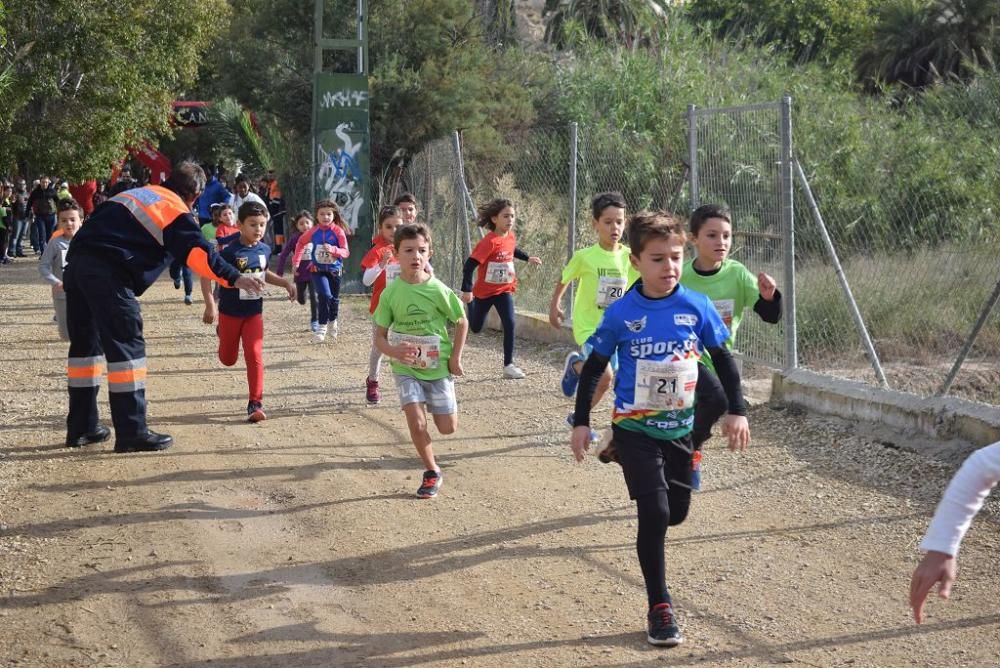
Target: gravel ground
{"x": 298, "y": 542}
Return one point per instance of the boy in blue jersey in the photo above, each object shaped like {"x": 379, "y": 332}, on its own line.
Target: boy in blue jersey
{"x": 659, "y": 329}
{"x": 241, "y": 312}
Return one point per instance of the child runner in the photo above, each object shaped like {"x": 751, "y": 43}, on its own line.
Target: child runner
{"x": 227, "y": 223}
{"x": 303, "y": 223}
{"x": 411, "y": 327}
{"x": 961, "y": 501}
{"x": 732, "y": 288}
{"x": 408, "y": 207}
{"x": 603, "y": 274}
{"x": 208, "y": 229}
{"x": 659, "y": 329}
{"x": 69, "y": 216}
{"x": 496, "y": 281}
{"x": 381, "y": 269}
{"x": 327, "y": 243}
{"x": 240, "y": 312}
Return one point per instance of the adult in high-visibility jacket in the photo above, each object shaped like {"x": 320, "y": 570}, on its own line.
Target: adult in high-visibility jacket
{"x": 126, "y": 244}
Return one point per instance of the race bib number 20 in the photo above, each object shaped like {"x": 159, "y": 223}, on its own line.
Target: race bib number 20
{"x": 609, "y": 290}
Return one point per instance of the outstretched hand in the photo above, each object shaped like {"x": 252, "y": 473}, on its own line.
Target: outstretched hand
{"x": 935, "y": 567}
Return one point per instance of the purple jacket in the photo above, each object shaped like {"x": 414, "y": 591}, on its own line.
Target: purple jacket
{"x": 302, "y": 273}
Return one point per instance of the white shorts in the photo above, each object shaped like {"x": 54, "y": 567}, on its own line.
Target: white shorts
{"x": 439, "y": 395}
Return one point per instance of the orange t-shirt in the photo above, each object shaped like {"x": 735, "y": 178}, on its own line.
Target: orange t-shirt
{"x": 372, "y": 259}
{"x": 496, "y": 274}
{"x": 225, "y": 231}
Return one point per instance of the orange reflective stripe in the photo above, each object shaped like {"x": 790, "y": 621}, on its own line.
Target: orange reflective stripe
{"x": 126, "y": 376}
{"x": 84, "y": 371}
{"x": 154, "y": 207}
{"x": 198, "y": 261}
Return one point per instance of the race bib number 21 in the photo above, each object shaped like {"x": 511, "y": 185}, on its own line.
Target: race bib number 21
{"x": 665, "y": 386}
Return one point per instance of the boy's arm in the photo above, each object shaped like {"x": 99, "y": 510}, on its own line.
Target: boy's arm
{"x": 735, "y": 425}
{"x": 46, "y": 262}
{"x": 211, "y": 311}
{"x": 769, "y": 311}
{"x": 590, "y": 375}
{"x": 457, "y": 346}
{"x": 273, "y": 279}
{"x": 556, "y": 314}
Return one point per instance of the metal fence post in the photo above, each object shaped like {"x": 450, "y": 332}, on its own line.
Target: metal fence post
{"x": 571, "y": 235}
{"x": 971, "y": 340}
{"x": 841, "y": 277}
{"x": 788, "y": 226}
{"x": 692, "y": 118}
{"x": 461, "y": 215}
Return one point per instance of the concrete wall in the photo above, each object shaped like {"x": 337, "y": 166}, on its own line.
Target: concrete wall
{"x": 944, "y": 418}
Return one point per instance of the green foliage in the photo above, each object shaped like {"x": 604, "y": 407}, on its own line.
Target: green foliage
{"x": 806, "y": 29}
{"x": 630, "y": 23}
{"x": 919, "y": 42}
{"x": 92, "y": 78}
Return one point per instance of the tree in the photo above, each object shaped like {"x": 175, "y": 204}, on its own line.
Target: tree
{"x": 917, "y": 43}
{"x": 806, "y": 29}
{"x": 626, "y": 22}
{"x": 99, "y": 78}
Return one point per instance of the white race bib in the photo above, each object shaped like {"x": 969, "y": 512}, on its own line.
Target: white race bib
{"x": 500, "y": 273}
{"x": 428, "y": 348}
{"x": 391, "y": 273}
{"x": 246, "y": 295}
{"x": 324, "y": 255}
{"x": 609, "y": 289}
{"x": 665, "y": 386}
{"x": 306, "y": 253}
{"x": 725, "y": 307}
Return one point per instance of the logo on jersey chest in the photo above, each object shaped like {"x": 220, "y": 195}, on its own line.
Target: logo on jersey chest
{"x": 647, "y": 347}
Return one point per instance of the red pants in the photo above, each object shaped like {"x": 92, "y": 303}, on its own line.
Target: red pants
{"x": 251, "y": 331}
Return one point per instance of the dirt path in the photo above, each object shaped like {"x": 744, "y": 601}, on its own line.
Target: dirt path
{"x": 298, "y": 542}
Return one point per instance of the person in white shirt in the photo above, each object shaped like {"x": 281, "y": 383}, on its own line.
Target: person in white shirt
{"x": 963, "y": 498}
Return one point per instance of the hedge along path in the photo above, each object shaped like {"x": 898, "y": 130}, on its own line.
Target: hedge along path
{"x": 299, "y": 542}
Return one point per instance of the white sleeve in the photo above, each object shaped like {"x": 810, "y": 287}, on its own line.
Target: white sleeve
{"x": 370, "y": 275}
{"x": 50, "y": 255}
{"x": 963, "y": 498}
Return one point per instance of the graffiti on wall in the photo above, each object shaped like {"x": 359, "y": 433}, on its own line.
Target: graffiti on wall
{"x": 341, "y": 145}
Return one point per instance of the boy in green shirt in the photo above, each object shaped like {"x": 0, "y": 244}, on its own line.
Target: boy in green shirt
{"x": 603, "y": 274}
{"x": 411, "y": 327}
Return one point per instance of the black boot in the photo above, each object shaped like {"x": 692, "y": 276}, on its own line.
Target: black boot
{"x": 148, "y": 442}
{"x": 99, "y": 435}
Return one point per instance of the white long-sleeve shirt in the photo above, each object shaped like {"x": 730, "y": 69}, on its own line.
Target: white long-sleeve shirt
{"x": 50, "y": 266}
{"x": 963, "y": 498}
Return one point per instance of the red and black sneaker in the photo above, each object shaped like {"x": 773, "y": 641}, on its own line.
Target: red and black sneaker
{"x": 371, "y": 391}
{"x": 662, "y": 626}
{"x": 255, "y": 411}
{"x": 430, "y": 485}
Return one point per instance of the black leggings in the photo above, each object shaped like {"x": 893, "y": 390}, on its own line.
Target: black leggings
{"x": 658, "y": 510}
{"x": 504, "y": 303}
{"x": 301, "y": 289}
{"x": 710, "y": 404}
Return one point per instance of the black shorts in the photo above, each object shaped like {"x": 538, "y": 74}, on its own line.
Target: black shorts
{"x": 651, "y": 464}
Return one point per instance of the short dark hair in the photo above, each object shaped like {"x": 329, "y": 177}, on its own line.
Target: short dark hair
{"x": 406, "y": 197}
{"x": 490, "y": 209}
{"x": 706, "y": 211}
{"x": 187, "y": 179}
{"x": 248, "y": 209}
{"x": 67, "y": 204}
{"x": 602, "y": 201}
{"x": 411, "y": 231}
{"x": 645, "y": 226}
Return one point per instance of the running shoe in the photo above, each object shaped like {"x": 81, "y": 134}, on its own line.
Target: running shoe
{"x": 430, "y": 485}
{"x": 570, "y": 377}
{"x": 662, "y": 626}
{"x": 313, "y": 326}
{"x": 177, "y": 284}
{"x": 594, "y": 436}
{"x": 188, "y": 300}
{"x": 513, "y": 372}
{"x": 255, "y": 411}
{"x": 319, "y": 336}
{"x": 334, "y": 329}
{"x": 372, "y": 394}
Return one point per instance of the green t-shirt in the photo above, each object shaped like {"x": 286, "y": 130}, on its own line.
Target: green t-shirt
{"x": 603, "y": 277}
{"x": 208, "y": 231}
{"x": 732, "y": 289}
{"x": 421, "y": 310}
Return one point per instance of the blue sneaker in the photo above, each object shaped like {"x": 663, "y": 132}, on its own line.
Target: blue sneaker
{"x": 570, "y": 377}
{"x": 594, "y": 436}
{"x": 314, "y": 326}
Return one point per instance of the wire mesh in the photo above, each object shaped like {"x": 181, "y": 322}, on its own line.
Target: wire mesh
{"x": 738, "y": 164}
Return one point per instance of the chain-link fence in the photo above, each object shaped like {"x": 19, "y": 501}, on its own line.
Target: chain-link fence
{"x": 885, "y": 278}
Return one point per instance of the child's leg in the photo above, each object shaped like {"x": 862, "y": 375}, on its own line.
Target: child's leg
{"x": 710, "y": 404}
{"x": 416, "y": 421}
{"x": 374, "y": 360}
{"x": 253, "y": 353}
{"x": 229, "y": 339}
{"x": 60, "y": 304}
{"x": 505, "y": 309}
{"x": 442, "y": 404}
{"x": 653, "y": 511}
{"x": 175, "y": 271}
{"x": 321, "y": 284}
{"x": 334, "y": 295}
{"x": 313, "y": 308}
{"x": 300, "y": 292}
{"x": 478, "y": 309}
{"x": 188, "y": 280}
